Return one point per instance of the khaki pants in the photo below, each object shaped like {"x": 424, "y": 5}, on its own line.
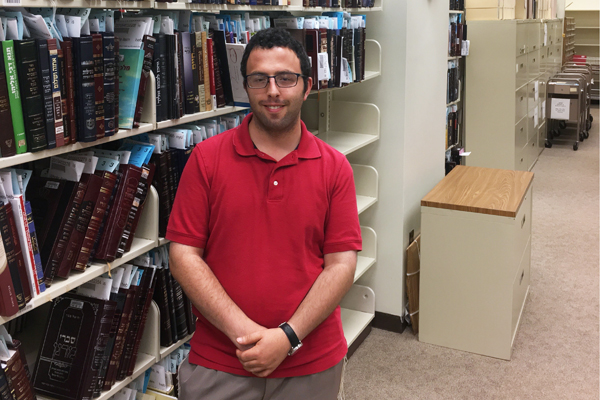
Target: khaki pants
{"x": 199, "y": 383}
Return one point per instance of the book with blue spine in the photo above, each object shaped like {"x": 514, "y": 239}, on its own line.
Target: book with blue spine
{"x": 36, "y": 248}
{"x": 130, "y": 71}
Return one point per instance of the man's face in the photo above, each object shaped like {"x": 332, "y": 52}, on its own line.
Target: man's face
{"x": 276, "y": 109}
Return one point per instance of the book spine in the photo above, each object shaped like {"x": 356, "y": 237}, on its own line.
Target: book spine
{"x": 187, "y": 74}
{"x": 140, "y": 330}
{"x": 117, "y": 61}
{"x": 5, "y": 392}
{"x": 20, "y": 216}
{"x": 18, "y": 254}
{"x": 63, "y": 97}
{"x": 7, "y": 135}
{"x": 195, "y": 84}
{"x": 64, "y": 234}
{"x": 108, "y": 184}
{"x": 219, "y": 86}
{"x": 173, "y": 314}
{"x": 162, "y": 301}
{"x": 211, "y": 73}
{"x": 17, "y": 373}
{"x": 57, "y": 103}
{"x": 179, "y": 76}
{"x": 200, "y": 71}
{"x": 158, "y": 76}
{"x": 46, "y": 84}
{"x": 9, "y": 246}
{"x": 136, "y": 210}
{"x": 171, "y": 65}
{"x": 180, "y": 319}
{"x": 35, "y": 247}
{"x": 119, "y": 299}
{"x": 69, "y": 72}
{"x": 149, "y": 42}
{"x": 14, "y": 96}
{"x": 98, "y": 84}
{"x": 110, "y": 123}
{"x": 8, "y": 299}
{"x": 83, "y": 61}
{"x": 161, "y": 183}
{"x": 32, "y": 101}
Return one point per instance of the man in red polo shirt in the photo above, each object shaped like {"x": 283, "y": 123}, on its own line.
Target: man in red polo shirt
{"x": 264, "y": 235}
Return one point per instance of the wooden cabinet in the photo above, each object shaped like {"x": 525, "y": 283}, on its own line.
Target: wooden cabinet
{"x": 506, "y": 74}
{"x": 475, "y": 259}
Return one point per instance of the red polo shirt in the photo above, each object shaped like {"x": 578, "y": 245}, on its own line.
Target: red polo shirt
{"x": 264, "y": 227}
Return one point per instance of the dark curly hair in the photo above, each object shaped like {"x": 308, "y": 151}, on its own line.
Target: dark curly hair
{"x": 277, "y": 37}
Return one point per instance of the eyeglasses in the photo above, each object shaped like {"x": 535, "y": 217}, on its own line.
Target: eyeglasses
{"x": 282, "y": 80}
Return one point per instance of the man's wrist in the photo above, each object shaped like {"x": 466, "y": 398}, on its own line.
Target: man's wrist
{"x": 292, "y": 337}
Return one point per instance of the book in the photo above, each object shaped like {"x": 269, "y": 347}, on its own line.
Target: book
{"x": 17, "y": 255}
{"x": 220, "y": 52}
{"x": 130, "y": 72}
{"x": 14, "y": 96}
{"x": 8, "y": 299}
{"x": 98, "y": 54}
{"x": 171, "y": 67}
{"x": 108, "y": 42}
{"x": 45, "y": 76}
{"x": 32, "y": 101}
{"x": 187, "y": 72}
{"x": 206, "y": 67}
{"x": 72, "y": 346}
{"x": 7, "y": 135}
{"x": 148, "y": 48}
{"x": 108, "y": 184}
{"x": 180, "y": 98}
{"x": 5, "y": 392}
{"x": 194, "y": 60}
{"x": 35, "y": 247}
{"x": 11, "y": 258}
{"x": 212, "y": 70}
{"x": 161, "y": 183}
{"x": 160, "y": 74}
{"x": 200, "y": 71}
{"x": 85, "y": 99}
{"x": 69, "y": 92}
{"x": 161, "y": 299}
{"x": 118, "y": 63}
{"x": 117, "y": 216}
{"x": 57, "y": 130}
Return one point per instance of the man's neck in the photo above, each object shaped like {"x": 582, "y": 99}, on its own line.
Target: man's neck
{"x": 275, "y": 144}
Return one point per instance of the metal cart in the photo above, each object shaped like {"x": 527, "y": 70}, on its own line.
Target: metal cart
{"x": 585, "y": 69}
{"x": 584, "y": 105}
{"x": 565, "y": 102}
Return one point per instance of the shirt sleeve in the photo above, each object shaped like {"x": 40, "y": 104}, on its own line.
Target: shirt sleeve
{"x": 342, "y": 228}
{"x": 188, "y": 221}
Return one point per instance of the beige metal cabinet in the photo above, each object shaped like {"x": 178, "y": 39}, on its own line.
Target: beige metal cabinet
{"x": 507, "y": 69}
{"x": 475, "y": 259}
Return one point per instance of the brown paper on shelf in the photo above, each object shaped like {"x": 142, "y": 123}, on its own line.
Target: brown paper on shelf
{"x": 413, "y": 265}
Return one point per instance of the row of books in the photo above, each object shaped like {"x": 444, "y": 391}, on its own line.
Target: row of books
{"x": 170, "y": 159}
{"x": 305, "y": 3}
{"x": 453, "y": 81}
{"x": 60, "y": 85}
{"x": 339, "y": 3}
{"x": 453, "y": 121}
{"x": 85, "y": 206}
{"x": 457, "y": 5}
{"x": 457, "y": 32}
{"x": 93, "y": 334}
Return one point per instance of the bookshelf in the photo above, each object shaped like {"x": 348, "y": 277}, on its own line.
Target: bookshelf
{"x": 114, "y": 4}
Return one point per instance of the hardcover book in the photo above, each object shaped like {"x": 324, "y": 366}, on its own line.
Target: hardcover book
{"x": 14, "y": 96}
{"x": 130, "y": 72}
{"x": 32, "y": 100}
{"x": 98, "y": 53}
{"x": 45, "y": 77}
{"x": 85, "y": 99}
{"x": 8, "y": 299}
{"x": 149, "y": 42}
{"x": 69, "y": 95}
{"x": 57, "y": 127}
{"x": 188, "y": 78}
{"x": 72, "y": 346}
{"x": 9, "y": 246}
{"x": 108, "y": 40}
{"x": 7, "y": 136}
{"x": 18, "y": 255}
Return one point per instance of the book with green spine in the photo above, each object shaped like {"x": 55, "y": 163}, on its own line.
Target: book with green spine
{"x": 14, "y": 95}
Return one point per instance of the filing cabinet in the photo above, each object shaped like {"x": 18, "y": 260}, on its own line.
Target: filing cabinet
{"x": 507, "y": 70}
{"x": 475, "y": 259}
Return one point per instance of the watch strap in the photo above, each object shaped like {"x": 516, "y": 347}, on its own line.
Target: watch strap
{"x": 291, "y": 335}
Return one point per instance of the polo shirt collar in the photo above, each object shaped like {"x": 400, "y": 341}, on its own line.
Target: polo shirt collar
{"x": 307, "y": 148}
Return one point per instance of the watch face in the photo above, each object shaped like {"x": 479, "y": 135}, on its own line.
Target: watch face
{"x": 294, "y": 350}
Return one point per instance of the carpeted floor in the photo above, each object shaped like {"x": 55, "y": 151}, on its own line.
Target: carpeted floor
{"x": 556, "y": 351}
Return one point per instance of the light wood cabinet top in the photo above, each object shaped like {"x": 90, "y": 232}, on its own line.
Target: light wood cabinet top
{"x": 480, "y": 190}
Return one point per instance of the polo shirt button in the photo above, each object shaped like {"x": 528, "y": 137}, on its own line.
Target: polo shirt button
{"x": 275, "y": 183}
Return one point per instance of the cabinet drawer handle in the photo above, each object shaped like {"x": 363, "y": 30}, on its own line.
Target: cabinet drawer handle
{"x": 524, "y": 216}
{"x": 521, "y": 98}
{"x": 521, "y": 66}
{"x": 521, "y": 129}
{"x": 522, "y": 276}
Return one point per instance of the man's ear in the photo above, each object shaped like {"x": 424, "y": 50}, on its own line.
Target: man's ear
{"x": 308, "y": 87}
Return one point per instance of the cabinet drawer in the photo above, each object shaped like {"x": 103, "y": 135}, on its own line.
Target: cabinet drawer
{"x": 531, "y": 125}
{"x": 531, "y": 152}
{"x": 521, "y": 71}
{"x": 542, "y": 137}
{"x": 520, "y": 287}
{"x": 520, "y": 163}
{"x": 521, "y": 39}
{"x": 521, "y": 133}
{"x": 532, "y": 101}
{"x": 533, "y": 36}
{"x": 543, "y": 59}
{"x": 533, "y": 64}
{"x": 521, "y": 103}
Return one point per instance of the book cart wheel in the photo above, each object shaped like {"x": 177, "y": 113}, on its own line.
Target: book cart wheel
{"x": 548, "y": 145}
{"x": 575, "y": 146}
{"x": 562, "y": 124}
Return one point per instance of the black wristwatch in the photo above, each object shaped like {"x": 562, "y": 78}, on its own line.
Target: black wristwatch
{"x": 294, "y": 341}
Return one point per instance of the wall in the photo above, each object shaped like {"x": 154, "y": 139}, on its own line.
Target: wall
{"x": 410, "y": 153}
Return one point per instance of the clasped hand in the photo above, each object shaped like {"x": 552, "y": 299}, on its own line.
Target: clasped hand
{"x": 269, "y": 347}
